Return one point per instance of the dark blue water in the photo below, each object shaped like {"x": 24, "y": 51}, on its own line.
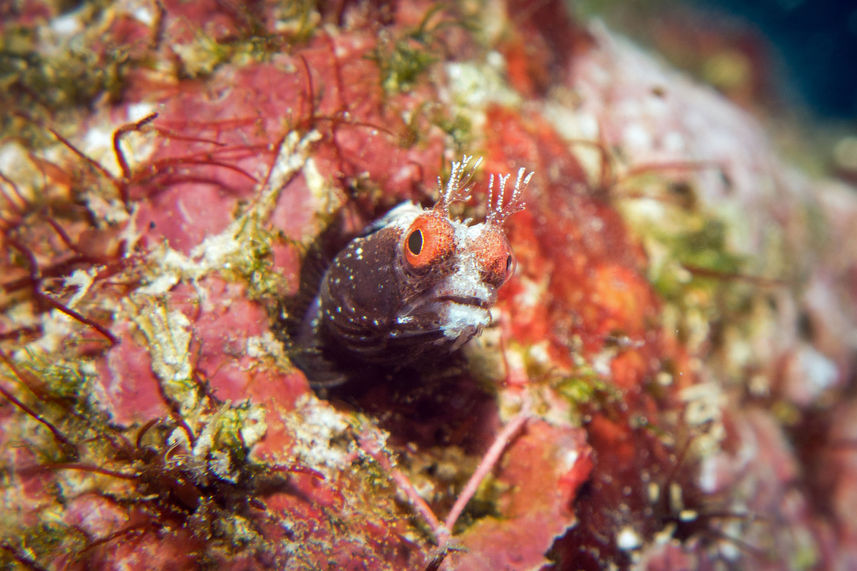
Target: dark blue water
{"x": 817, "y": 42}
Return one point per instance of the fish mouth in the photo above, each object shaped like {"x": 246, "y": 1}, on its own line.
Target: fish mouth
{"x": 471, "y": 300}
{"x": 439, "y": 304}
{"x": 457, "y": 317}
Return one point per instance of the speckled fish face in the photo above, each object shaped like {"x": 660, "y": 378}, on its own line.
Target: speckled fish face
{"x": 451, "y": 273}
{"x": 421, "y": 280}
{"x": 417, "y": 281}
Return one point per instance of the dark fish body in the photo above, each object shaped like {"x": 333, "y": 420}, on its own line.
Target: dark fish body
{"x": 416, "y": 284}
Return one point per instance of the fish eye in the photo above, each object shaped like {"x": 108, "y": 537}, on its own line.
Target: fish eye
{"x": 430, "y": 240}
{"x": 494, "y": 255}
{"x": 415, "y": 242}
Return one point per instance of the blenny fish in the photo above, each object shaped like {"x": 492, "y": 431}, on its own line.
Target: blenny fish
{"x": 416, "y": 284}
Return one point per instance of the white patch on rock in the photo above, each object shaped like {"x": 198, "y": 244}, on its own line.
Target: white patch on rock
{"x": 264, "y": 345}
{"x": 168, "y": 336}
{"x": 316, "y": 426}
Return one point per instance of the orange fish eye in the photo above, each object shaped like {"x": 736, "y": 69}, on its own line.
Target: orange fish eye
{"x": 510, "y": 265}
{"x": 494, "y": 254}
{"x": 429, "y": 240}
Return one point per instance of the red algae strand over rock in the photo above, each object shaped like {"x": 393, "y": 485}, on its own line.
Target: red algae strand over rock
{"x": 668, "y": 368}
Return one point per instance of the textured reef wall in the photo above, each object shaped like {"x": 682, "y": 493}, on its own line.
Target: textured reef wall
{"x": 671, "y": 369}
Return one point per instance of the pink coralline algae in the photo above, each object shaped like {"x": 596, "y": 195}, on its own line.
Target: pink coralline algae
{"x": 666, "y": 380}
